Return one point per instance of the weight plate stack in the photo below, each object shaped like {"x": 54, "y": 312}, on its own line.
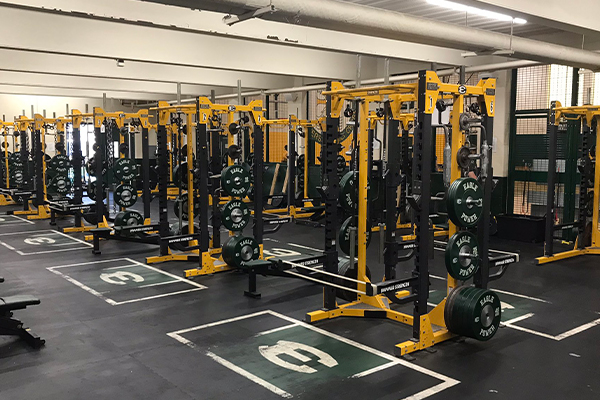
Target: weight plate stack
{"x": 235, "y": 215}
{"x": 344, "y": 235}
{"x": 459, "y": 265}
{"x": 128, "y": 218}
{"x": 181, "y": 207}
{"x": 125, "y": 169}
{"x": 473, "y": 312}
{"x": 348, "y": 195}
{"x": 465, "y": 202}
{"x": 125, "y": 195}
{"x": 238, "y": 250}
{"x": 235, "y": 180}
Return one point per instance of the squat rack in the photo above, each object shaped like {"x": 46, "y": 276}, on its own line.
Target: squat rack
{"x": 590, "y": 119}
{"x": 429, "y": 327}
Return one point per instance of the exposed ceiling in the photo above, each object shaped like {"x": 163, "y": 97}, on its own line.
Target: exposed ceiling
{"x": 421, "y": 8}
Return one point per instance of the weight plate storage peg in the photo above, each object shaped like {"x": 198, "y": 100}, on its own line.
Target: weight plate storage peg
{"x": 60, "y": 184}
{"x": 239, "y": 250}
{"x": 128, "y": 218}
{"x": 465, "y": 202}
{"x": 125, "y": 169}
{"x": 125, "y": 195}
{"x": 473, "y": 312}
{"x": 235, "y": 180}
{"x": 462, "y": 255}
{"x": 235, "y": 215}
{"x": 344, "y": 235}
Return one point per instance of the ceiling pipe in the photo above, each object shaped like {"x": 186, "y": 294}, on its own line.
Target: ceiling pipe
{"x": 364, "y": 20}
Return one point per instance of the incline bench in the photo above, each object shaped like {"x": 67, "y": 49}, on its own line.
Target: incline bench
{"x": 14, "y": 327}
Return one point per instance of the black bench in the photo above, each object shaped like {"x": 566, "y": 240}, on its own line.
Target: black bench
{"x": 14, "y": 327}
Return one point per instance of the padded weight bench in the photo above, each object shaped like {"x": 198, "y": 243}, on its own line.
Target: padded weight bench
{"x": 13, "y": 327}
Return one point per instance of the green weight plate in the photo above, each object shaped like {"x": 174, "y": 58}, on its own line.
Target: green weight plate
{"x": 60, "y": 184}
{"x": 60, "y": 163}
{"x": 463, "y": 311}
{"x": 125, "y": 195}
{"x": 90, "y": 166}
{"x": 125, "y": 169}
{"x": 16, "y": 177}
{"x": 181, "y": 207}
{"x": 235, "y": 180}
{"x": 347, "y": 196}
{"x": 450, "y": 306}
{"x": 344, "y": 235}
{"x": 465, "y": 202}
{"x": 460, "y": 267}
{"x": 235, "y": 215}
{"x": 486, "y": 315}
{"x": 129, "y": 218}
{"x": 239, "y": 250}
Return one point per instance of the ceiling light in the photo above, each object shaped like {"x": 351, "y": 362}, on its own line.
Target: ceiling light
{"x": 120, "y": 62}
{"x": 477, "y": 11}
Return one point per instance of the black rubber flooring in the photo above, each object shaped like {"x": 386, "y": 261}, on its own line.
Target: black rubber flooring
{"x": 132, "y": 339}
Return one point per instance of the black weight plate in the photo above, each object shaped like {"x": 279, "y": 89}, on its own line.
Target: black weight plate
{"x": 348, "y": 196}
{"x": 486, "y": 315}
{"x": 450, "y": 307}
{"x": 180, "y": 174}
{"x": 341, "y": 164}
{"x": 60, "y": 184}
{"x": 60, "y": 162}
{"x": 90, "y": 166}
{"x": 125, "y": 169}
{"x": 462, "y": 157}
{"x": 235, "y": 180}
{"x": 91, "y": 191}
{"x": 238, "y": 250}
{"x": 352, "y": 273}
{"x": 458, "y": 267}
{"x": 129, "y": 218}
{"x": 235, "y": 215}
{"x": 181, "y": 207}
{"x": 125, "y": 195}
{"x": 344, "y": 235}
{"x": 461, "y": 195}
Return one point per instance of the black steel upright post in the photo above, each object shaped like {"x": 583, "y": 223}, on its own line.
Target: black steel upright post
{"x": 38, "y": 164}
{"x": 422, "y": 188}
{"x": 583, "y": 186}
{"x": 291, "y": 172}
{"x": 216, "y": 167}
{"x": 202, "y": 157}
{"x": 330, "y": 194}
{"x": 392, "y": 180}
{"x": 482, "y": 276}
{"x": 259, "y": 152}
{"x": 99, "y": 158}
{"x": 146, "y": 191}
{"x": 552, "y": 132}
{"x": 25, "y": 159}
{"x": 77, "y": 161}
{"x": 162, "y": 162}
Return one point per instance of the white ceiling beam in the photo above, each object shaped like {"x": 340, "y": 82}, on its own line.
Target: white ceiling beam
{"x": 76, "y": 65}
{"x": 80, "y": 93}
{"x": 101, "y": 84}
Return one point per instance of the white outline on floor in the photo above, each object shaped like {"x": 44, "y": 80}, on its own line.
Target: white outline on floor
{"x": 447, "y": 382}
{"x": 37, "y": 234}
{"x": 20, "y": 221}
{"x": 134, "y": 264}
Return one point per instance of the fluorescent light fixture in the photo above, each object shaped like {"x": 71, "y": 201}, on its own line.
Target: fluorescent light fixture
{"x": 476, "y": 11}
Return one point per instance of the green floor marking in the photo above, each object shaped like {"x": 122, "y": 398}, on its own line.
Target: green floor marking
{"x": 111, "y": 280}
{"x": 348, "y": 360}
